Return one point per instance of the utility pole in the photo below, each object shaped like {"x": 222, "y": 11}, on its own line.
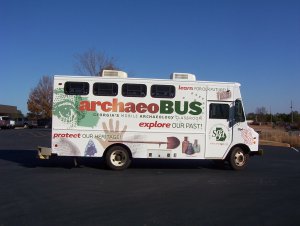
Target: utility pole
{"x": 292, "y": 116}
{"x": 271, "y": 114}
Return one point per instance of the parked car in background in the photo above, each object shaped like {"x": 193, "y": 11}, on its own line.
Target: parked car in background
{"x": 25, "y": 123}
{"x": 44, "y": 123}
{"x": 6, "y": 122}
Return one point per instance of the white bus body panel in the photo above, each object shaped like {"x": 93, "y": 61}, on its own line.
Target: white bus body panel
{"x": 178, "y": 127}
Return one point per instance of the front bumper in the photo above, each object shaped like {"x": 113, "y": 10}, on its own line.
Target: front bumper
{"x": 44, "y": 152}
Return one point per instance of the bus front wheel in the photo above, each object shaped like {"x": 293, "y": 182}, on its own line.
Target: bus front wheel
{"x": 238, "y": 159}
{"x": 117, "y": 158}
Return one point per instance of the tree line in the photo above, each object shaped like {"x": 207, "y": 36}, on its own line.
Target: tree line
{"x": 275, "y": 118}
{"x": 262, "y": 115}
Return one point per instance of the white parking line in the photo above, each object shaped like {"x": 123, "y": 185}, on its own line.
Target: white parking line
{"x": 295, "y": 149}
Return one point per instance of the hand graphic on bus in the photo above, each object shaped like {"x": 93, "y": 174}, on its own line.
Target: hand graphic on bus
{"x": 111, "y": 133}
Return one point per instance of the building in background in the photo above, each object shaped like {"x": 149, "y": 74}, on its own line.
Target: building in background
{"x": 11, "y": 111}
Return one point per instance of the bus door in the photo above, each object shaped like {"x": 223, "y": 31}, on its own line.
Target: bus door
{"x": 219, "y": 128}
{"x": 241, "y": 132}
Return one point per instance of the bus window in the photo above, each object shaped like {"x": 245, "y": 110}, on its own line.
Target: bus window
{"x": 105, "y": 89}
{"x": 162, "y": 91}
{"x": 134, "y": 90}
{"x": 219, "y": 111}
{"x": 76, "y": 88}
{"x": 239, "y": 115}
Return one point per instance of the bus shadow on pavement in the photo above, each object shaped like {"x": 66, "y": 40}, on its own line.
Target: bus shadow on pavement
{"x": 172, "y": 164}
{"x": 29, "y": 158}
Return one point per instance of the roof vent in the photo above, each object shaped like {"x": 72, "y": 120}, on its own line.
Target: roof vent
{"x": 183, "y": 76}
{"x": 114, "y": 74}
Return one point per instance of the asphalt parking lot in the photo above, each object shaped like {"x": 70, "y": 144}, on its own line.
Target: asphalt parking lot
{"x": 54, "y": 192}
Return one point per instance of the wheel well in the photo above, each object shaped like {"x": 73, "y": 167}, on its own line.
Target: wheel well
{"x": 118, "y": 144}
{"x": 242, "y": 146}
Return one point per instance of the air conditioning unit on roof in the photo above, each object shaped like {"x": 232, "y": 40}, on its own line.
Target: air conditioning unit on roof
{"x": 114, "y": 74}
{"x": 183, "y": 77}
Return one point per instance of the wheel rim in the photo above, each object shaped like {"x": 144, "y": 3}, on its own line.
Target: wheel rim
{"x": 239, "y": 158}
{"x": 118, "y": 158}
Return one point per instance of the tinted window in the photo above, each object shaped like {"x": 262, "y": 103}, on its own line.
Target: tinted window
{"x": 105, "y": 89}
{"x": 76, "y": 88}
{"x": 162, "y": 91}
{"x": 219, "y": 111}
{"x": 134, "y": 90}
{"x": 239, "y": 115}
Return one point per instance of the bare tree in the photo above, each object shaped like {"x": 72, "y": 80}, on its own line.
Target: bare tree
{"x": 39, "y": 103}
{"x": 93, "y": 63}
{"x": 261, "y": 113}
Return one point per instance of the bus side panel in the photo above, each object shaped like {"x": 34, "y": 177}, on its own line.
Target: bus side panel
{"x": 85, "y": 125}
{"x": 141, "y": 145}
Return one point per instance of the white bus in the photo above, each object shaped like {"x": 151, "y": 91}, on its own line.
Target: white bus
{"x": 120, "y": 118}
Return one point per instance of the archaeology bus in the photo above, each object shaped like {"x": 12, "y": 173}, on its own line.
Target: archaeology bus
{"x": 120, "y": 118}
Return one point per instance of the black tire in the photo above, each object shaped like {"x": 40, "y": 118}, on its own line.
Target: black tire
{"x": 117, "y": 158}
{"x": 238, "y": 159}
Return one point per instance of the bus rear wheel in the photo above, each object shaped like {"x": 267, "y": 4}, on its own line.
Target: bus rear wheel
{"x": 117, "y": 158}
{"x": 238, "y": 159}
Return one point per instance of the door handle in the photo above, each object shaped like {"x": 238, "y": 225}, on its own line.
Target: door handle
{"x": 240, "y": 129}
